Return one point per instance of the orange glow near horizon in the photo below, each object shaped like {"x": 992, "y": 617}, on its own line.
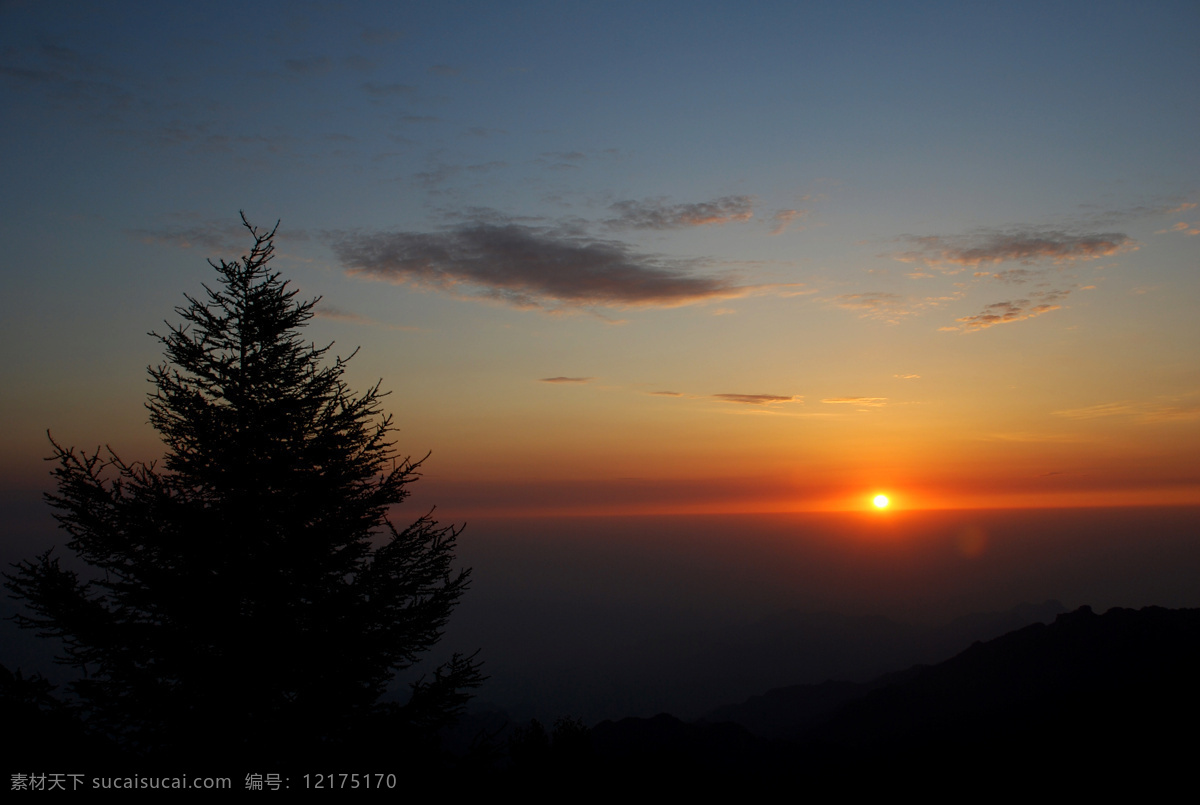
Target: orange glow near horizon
{"x": 607, "y": 501}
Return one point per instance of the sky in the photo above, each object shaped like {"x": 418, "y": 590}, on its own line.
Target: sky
{"x": 637, "y": 258}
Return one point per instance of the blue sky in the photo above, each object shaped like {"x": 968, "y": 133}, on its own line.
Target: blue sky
{"x": 947, "y": 245}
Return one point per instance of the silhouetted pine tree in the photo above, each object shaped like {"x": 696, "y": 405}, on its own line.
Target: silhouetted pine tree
{"x": 250, "y": 589}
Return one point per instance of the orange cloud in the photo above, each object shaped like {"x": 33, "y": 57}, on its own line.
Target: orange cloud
{"x": 756, "y": 399}
{"x": 1010, "y": 311}
{"x": 1181, "y": 226}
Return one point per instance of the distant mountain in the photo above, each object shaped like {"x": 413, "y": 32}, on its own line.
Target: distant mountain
{"x": 595, "y": 675}
{"x": 1122, "y": 683}
{"x": 1087, "y": 700}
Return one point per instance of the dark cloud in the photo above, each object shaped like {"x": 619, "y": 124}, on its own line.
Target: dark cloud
{"x": 658, "y": 214}
{"x": 755, "y": 399}
{"x": 1010, "y": 311}
{"x": 565, "y": 379}
{"x": 528, "y": 267}
{"x": 1026, "y": 246}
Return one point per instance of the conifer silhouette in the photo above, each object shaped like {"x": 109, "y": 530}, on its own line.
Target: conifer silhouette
{"x": 248, "y": 594}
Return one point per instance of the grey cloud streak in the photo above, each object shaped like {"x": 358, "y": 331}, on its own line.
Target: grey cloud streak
{"x": 1026, "y": 246}
{"x": 528, "y": 267}
{"x": 188, "y": 232}
{"x": 756, "y": 399}
{"x": 657, "y": 214}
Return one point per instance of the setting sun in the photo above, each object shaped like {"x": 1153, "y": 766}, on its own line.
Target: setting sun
{"x": 880, "y": 501}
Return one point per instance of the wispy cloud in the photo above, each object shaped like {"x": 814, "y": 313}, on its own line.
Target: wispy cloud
{"x": 327, "y": 311}
{"x": 561, "y": 379}
{"x": 1010, "y": 311}
{"x": 784, "y": 219}
{"x": 1012, "y": 276}
{"x": 757, "y": 399}
{"x": 1098, "y": 411}
{"x": 888, "y": 307}
{"x": 658, "y": 214}
{"x": 907, "y": 377}
{"x": 1181, "y": 226}
{"x": 870, "y": 402}
{"x": 529, "y": 267}
{"x": 332, "y": 313}
{"x": 667, "y": 393}
{"x": 1185, "y": 408}
{"x": 1026, "y": 246}
{"x": 187, "y": 231}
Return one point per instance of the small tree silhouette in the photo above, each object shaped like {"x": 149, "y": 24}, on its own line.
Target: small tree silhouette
{"x": 250, "y": 590}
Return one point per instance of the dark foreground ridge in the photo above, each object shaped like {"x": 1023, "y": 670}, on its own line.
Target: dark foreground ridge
{"x": 1100, "y": 699}
{"x": 1094, "y": 699}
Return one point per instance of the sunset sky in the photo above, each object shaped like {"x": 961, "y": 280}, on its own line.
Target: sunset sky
{"x": 638, "y": 257}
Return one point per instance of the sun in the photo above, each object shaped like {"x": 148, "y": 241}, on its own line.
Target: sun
{"x": 881, "y": 501}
